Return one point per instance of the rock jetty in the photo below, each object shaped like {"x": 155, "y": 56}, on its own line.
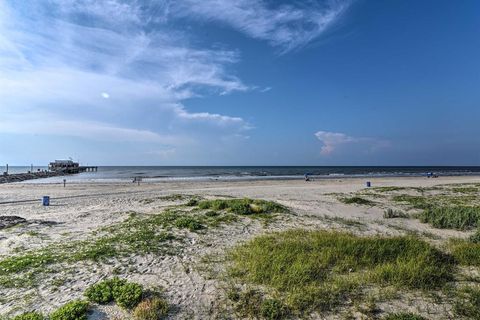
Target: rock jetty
{"x": 17, "y": 177}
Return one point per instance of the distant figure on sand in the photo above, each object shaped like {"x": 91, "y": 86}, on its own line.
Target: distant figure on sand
{"x": 307, "y": 178}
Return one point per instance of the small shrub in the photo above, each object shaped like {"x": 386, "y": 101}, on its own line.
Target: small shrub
{"x": 242, "y": 207}
{"x": 403, "y": 316}
{"x": 29, "y": 316}
{"x": 74, "y": 310}
{"x": 151, "y": 309}
{"x": 357, "y": 200}
{"x": 128, "y": 295}
{"x": 212, "y": 214}
{"x": 390, "y": 214}
{"x": 273, "y": 309}
{"x": 189, "y": 223}
{"x": 101, "y": 293}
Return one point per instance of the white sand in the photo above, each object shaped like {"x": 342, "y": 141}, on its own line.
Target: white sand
{"x": 80, "y": 209}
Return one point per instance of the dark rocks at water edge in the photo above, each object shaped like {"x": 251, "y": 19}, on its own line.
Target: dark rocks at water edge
{"x": 17, "y": 177}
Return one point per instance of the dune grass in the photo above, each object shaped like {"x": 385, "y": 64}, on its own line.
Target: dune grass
{"x": 318, "y": 270}
{"x": 465, "y": 252}
{"x": 467, "y": 302}
{"x": 403, "y": 316}
{"x": 357, "y": 200}
{"x": 243, "y": 206}
{"x": 391, "y": 214}
{"x": 417, "y": 202}
{"x": 456, "y": 217}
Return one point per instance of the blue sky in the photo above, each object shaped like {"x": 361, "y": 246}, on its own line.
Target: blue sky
{"x": 245, "y": 82}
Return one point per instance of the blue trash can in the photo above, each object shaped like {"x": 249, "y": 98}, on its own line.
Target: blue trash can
{"x": 369, "y": 184}
{"x": 46, "y": 200}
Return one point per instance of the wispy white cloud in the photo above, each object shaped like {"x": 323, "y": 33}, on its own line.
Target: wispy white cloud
{"x": 287, "y": 26}
{"x": 332, "y": 141}
{"x": 106, "y": 70}
{"x": 48, "y": 125}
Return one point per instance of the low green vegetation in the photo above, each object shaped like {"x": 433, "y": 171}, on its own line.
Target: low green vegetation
{"x": 390, "y": 214}
{"x": 189, "y": 222}
{"x": 357, "y": 200}
{"x": 403, "y": 316}
{"x": 175, "y": 197}
{"x": 29, "y": 316}
{"x": 467, "y": 303}
{"x": 475, "y": 237}
{"x": 73, "y": 310}
{"x": 126, "y": 294}
{"x": 388, "y": 189}
{"x": 417, "y": 202}
{"x": 460, "y": 218}
{"x": 465, "y": 252}
{"x": 252, "y": 302}
{"x": 137, "y": 235}
{"x": 465, "y": 189}
{"x": 151, "y": 309}
{"x": 318, "y": 270}
{"x": 243, "y": 206}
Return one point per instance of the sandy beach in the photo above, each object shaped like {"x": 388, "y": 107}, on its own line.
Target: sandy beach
{"x": 192, "y": 277}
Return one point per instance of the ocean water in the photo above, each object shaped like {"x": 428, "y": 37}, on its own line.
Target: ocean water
{"x": 170, "y": 173}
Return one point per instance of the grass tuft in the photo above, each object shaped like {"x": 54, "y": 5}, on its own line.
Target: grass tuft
{"x": 357, "y": 200}
{"x": 417, "y": 202}
{"x": 243, "y": 206}
{"x": 190, "y": 223}
{"x": 465, "y": 252}
{"x": 29, "y": 316}
{"x": 390, "y": 214}
{"x": 128, "y": 295}
{"x": 467, "y": 303}
{"x": 73, "y": 310}
{"x": 458, "y": 217}
{"x": 317, "y": 270}
{"x": 151, "y": 309}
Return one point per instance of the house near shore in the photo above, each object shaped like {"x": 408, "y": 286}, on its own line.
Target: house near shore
{"x": 69, "y": 166}
{"x": 64, "y": 165}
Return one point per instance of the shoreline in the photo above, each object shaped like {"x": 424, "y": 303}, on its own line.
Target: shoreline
{"x": 74, "y": 179}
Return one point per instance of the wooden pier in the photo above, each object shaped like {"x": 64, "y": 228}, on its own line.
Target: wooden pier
{"x": 88, "y": 169}
{"x": 55, "y": 169}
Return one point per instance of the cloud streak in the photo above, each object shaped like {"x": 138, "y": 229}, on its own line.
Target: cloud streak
{"x": 288, "y": 26}
{"x": 82, "y": 62}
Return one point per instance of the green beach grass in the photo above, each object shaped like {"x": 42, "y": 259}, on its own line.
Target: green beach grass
{"x": 318, "y": 270}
